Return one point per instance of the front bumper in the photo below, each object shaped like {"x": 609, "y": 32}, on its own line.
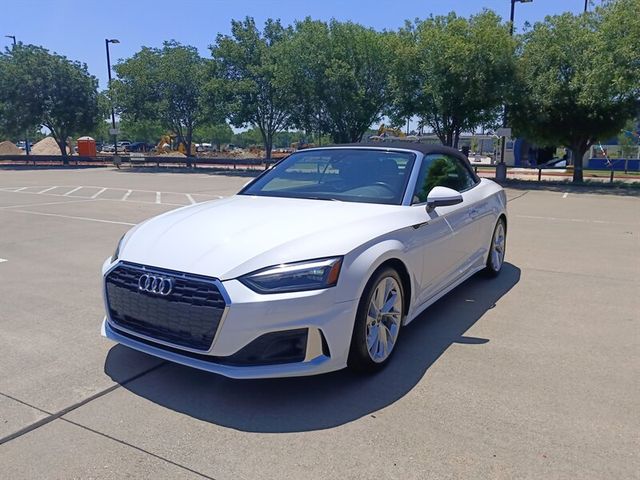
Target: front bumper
{"x": 248, "y": 317}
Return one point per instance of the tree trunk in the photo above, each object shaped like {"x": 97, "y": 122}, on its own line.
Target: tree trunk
{"x": 268, "y": 146}
{"x": 456, "y": 139}
{"x": 62, "y": 145}
{"x": 577, "y": 152}
{"x": 187, "y": 144}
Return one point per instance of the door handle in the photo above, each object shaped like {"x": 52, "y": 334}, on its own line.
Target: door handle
{"x": 474, "y": 212}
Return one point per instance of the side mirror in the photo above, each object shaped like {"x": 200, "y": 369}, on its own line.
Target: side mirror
{"x": 442, "y": 197}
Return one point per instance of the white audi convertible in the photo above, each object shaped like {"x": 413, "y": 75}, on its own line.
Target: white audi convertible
{"x": 314, "y": 266}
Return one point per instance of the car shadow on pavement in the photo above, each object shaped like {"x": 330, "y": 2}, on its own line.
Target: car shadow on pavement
{"x": 324, "y": 401}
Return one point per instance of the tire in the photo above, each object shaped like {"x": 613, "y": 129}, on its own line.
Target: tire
{"x": 375, "y": 336}
{"x": 495, "y": 258}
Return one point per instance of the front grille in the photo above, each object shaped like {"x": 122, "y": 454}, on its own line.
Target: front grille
{"x": 188, "y": 316}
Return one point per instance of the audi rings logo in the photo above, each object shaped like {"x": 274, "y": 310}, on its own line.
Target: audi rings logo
{"x": 155, "y": 284}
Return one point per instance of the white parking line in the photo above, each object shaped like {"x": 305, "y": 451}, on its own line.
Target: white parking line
{"x": 98, "y": 195}
{"x": 575, "y": 220}
{"x": 89, "y": 219}
{"x": 95, "y": 195}
{"x": 71, "y": 191}
{"x": 566, "y": 194}
{"x": 3, "y": 260}
{"x": 43, "y": 204}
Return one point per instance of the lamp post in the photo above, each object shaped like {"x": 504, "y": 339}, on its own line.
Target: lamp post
{"x": 586, "y": 5}
{"x": 501, "y": 167}
{"x": 26, "y": 140}
{"x": 107, "y": 41}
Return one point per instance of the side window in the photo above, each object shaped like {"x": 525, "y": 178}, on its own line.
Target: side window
{"x": 444, "y": 171}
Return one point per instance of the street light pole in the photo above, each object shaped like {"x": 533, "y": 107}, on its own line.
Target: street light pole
{"x": 13, "y": 37}
{"x": 512, "y": 16}
{"x": 586, "y": 5}
{"x": 113, "y": 113}
{"x": 501, "y": 167}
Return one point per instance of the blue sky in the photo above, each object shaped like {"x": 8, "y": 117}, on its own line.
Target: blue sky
{"x": 77, "y": 28}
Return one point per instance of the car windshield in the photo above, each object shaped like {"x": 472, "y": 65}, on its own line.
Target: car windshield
{"x": 345, "y": 174}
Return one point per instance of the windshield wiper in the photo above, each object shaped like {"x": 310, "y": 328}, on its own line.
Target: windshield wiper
{"x": 329, "y": 199}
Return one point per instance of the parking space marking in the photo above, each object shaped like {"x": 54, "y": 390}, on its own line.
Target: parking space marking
{"x": 101, "y": 192}
{"x": 576, "y": 220}
{"x": 71, "y": 191}
{"x": 72, "y": 217}
{"x": 97, "y": 194}
{"x": 22, "y": 205}
{"x": 566, "y": 194}
{"x": 2, "y": 260}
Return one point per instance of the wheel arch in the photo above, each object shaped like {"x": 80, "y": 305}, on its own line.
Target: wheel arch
{"x": 503, "y": 216}
{"x": 364, "y": 264}
{"x": 399, "y": 266}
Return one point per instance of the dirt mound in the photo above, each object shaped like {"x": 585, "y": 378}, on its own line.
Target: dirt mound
{"x": 8, "y": 148}
{"x": 46, "y": 146}
{"x": 173, "y": 154}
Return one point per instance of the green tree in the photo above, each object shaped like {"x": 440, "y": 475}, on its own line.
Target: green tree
{"x": 578, "y": 78}
{"x": 629, "y": 139}
{"x": 101, "y": 130}
{"x": 246, "y": 63}
{"x": 146, "y": 130}
{"x": 216, "y": 134}
{"x": 164, "y": 86}
{"x": 42, "y": 89}
{"x": 253, "y": 136}
{"x": 453, "y": 73}
{"x": 338, "y": 74}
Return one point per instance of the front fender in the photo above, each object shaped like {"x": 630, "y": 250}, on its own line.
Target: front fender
{"x": 361, "y": 264}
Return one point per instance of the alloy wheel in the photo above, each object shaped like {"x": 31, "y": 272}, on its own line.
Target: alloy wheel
{"x": 383, "y": 319}
{"x": 497, "y": 249}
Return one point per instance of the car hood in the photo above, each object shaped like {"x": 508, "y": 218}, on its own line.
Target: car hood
{"x": 237, "y": 235}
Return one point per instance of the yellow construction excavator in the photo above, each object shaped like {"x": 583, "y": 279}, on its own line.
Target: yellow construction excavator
{"x": 164, "y": 145}
{"x": 386, "y": 131}
{"x": 166, "y": 141}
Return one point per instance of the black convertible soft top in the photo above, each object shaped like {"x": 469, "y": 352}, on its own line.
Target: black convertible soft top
{"x": 424, "y": 148}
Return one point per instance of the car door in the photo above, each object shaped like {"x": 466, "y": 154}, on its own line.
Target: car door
{"x": 482, "y": 211}
{"x": 431, "y": 238}
{"x": 477, "y": 210}
{"x": 448, "y": 257}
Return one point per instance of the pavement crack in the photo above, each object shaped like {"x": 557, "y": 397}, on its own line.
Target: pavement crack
{"x": 130, "y": 445}
{"x": 579, "y": 274}
{"x": 516, "y": 198}
{"x": 24, "y": 403}
{"x": 54, "y": 416}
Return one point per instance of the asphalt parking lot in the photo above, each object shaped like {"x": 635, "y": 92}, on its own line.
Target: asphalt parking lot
{"x": 531, "y": 375}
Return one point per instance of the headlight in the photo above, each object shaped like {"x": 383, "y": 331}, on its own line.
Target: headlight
{"x": 116, "y": 254}
{"x": 295, "y": 277}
